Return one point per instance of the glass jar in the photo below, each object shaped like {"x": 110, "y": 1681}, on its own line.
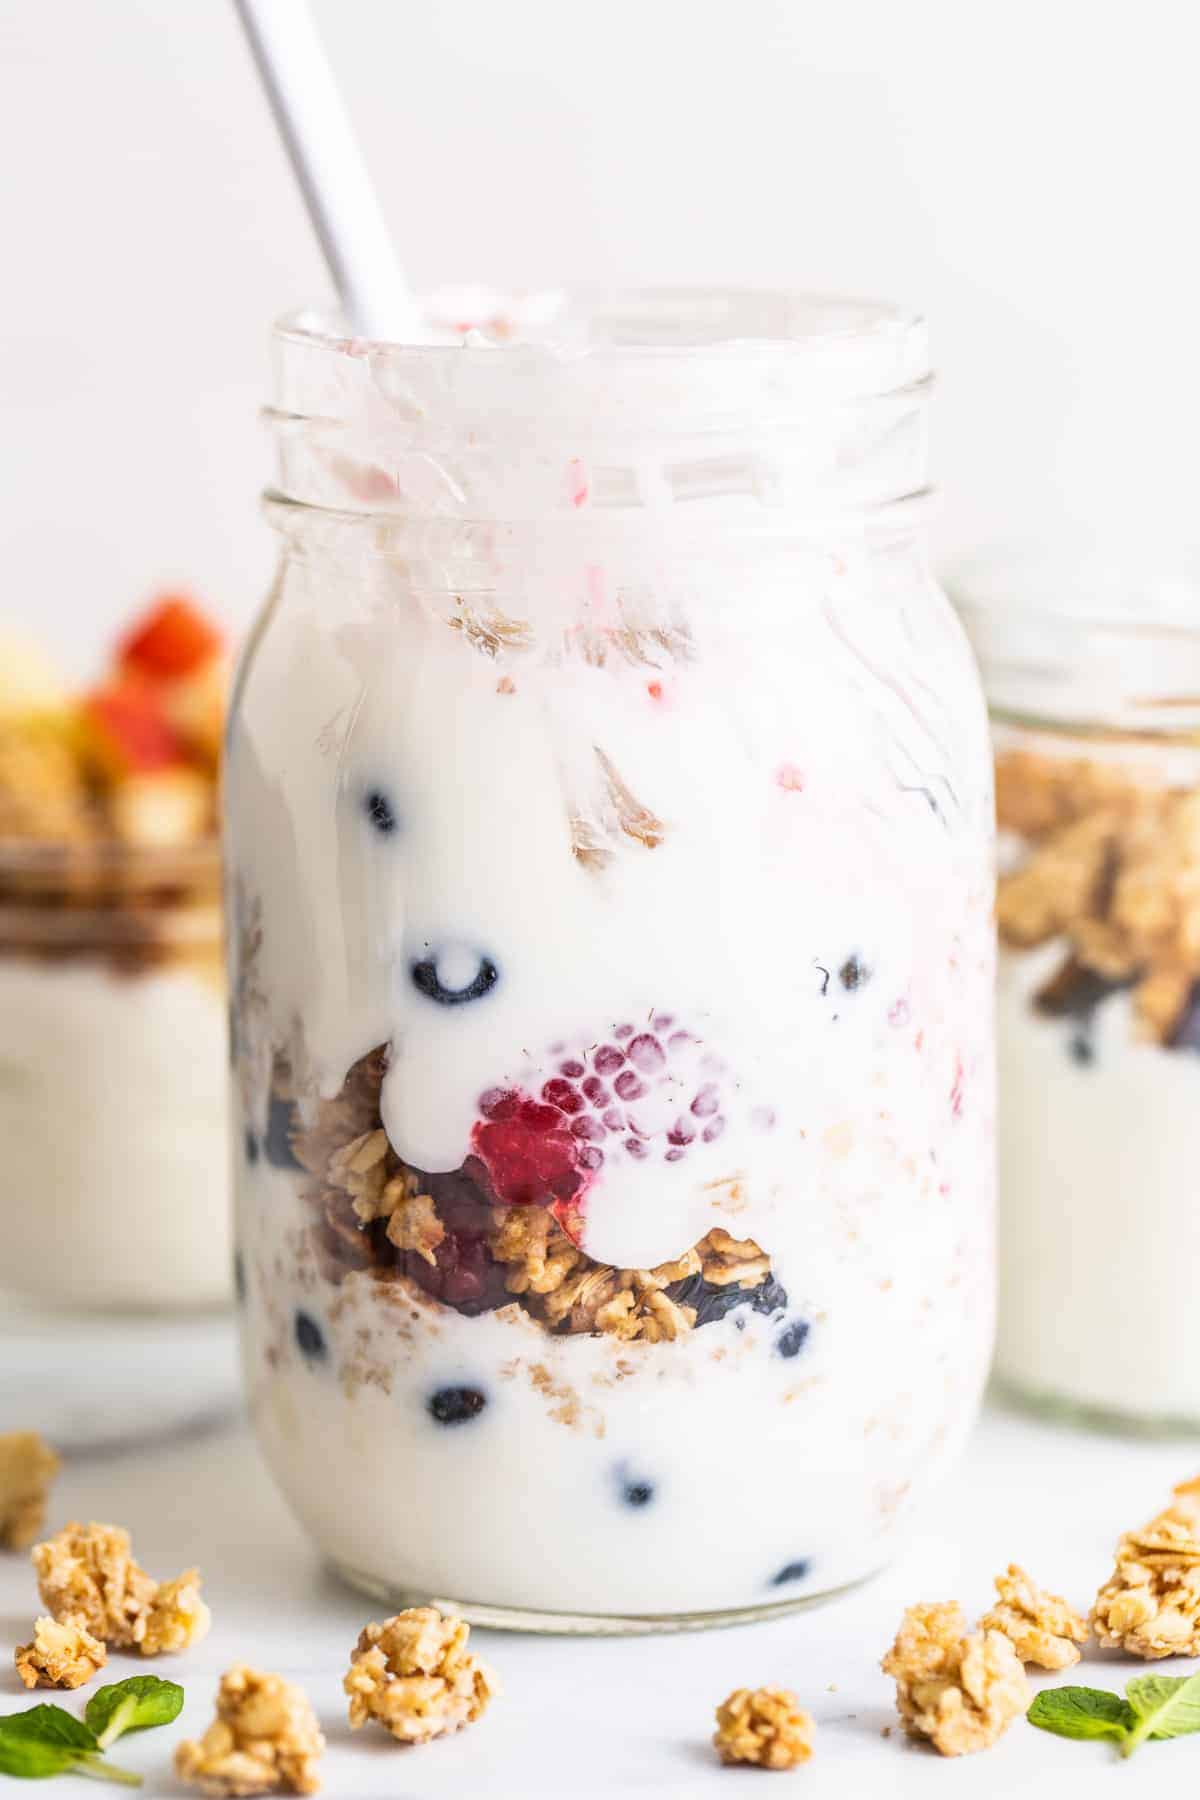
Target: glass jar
{"x": 610, "y": 856}
{"x": 1093, "y": 673}
{"x": 114, "y": 1190}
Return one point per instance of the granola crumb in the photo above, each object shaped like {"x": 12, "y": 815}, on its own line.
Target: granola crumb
{"x": 415, "y": 1675}
{"x": 177, "y": 1618}
{"x": 764, "y": 1726}
{"x": 87, "y": 1576}
{"x": 1041, "y": 1627}
{"x": 264, "y": 1740}
{"x": 60, "y": 1656}
{"x": 959, "y": 1690}
{"x": 27, "y": 1467}
{"x": 1150, "y": 1604}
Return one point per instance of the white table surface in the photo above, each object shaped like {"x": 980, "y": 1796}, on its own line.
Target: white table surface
{"x": 582, "y": 1717}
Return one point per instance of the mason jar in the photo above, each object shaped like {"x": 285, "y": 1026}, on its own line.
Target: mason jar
{"x": 114, "y": 1189}
{"x": 609, "y": 849}
{"x": 1092, "y": 666}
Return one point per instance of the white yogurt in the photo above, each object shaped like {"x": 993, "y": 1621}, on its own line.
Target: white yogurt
{"x": 113, "y": 1118}
{"x": 1099, "y": 1236}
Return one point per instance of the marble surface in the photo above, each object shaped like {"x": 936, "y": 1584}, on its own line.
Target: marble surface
{"x": 604, "y": 1717}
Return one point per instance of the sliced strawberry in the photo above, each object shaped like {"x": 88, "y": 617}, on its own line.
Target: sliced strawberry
{"x": 127, "y": 733}
{"x": 173, "y": 639}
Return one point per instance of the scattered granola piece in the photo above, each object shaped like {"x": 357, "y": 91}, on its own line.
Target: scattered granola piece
{"x": 960, "y": 1690}
{"x": 264, "y": 1740}
{"x": 177, "y": 1618}
{"x": 766, "y": 1726}
{"x": 87, "y": 1576}
{"x": 1041, "y": 1627}
{"x": 415, "y": 1675}
{"x": 27, "y": 1467}
{"x": 1150, "y": 1604}
{"x": 60, "y": 1656}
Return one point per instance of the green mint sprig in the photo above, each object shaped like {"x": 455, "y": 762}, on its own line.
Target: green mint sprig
{"x": 1155, "y": 1706}
{"x": 47, "y": 1740}
{"x": 132, "y": 1705}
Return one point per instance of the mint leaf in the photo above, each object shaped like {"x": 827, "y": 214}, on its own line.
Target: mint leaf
{"x": 1082, "y": 1712}
{"x": 33, "y": 1760}
{"x": 1165, "y": 1706}
{"x": 132, "y": 1705}
{"x": 46, "y": 1740}
{"x": 49, "y": 1725}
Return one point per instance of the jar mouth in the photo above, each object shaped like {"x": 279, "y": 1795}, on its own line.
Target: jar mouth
{"x": 859, "y": 347}
{"x": 1085, "y": 635}
{"x": 681, "y": 404}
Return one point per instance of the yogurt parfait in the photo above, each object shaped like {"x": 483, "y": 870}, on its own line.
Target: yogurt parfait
{"x": 609, "y": 863}
{"x": 113, "y": 1116}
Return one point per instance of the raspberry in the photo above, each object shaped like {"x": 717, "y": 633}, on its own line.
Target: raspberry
{"x": 654, "y": 1093}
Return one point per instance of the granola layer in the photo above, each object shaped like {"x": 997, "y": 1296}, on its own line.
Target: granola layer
{"x": 1113, "y": 868}
{"x": 447, "y": 1234}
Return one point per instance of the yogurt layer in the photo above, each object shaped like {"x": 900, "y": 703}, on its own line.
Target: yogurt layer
{"x": 113, "y": 1116}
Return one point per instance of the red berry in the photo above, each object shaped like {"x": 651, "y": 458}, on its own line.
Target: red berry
{"x": 608, "y": 1059}
{"x": 647, "y": 1054}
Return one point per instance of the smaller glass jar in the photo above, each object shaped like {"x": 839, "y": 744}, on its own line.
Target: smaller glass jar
{"x": 113, "y": 1117}
{"x": 1093, "y": 677}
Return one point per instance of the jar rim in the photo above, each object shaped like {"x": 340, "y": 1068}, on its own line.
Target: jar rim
{"x": 854, "y": 348}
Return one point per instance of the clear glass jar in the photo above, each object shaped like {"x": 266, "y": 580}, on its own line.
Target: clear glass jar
{"x": 1093, "y": 673}
{"x": 610, "y": 855}
{"x": 114, "y": 1190}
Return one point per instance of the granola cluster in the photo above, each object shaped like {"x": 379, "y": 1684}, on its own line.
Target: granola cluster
{"x": 1041, "y": 1627}
{"x": 1113, "y": 866}
{"x": 961, "y": 1690}
{"x": 27, "y": 1468}
{"x": 444, "y": 1233}
{"x": 60, "y": 1656}
{"x": 1150, "y": 1605}
{"x": 87, "y": 1576}
{"x": 764, "y": 1726}
{"x": 264, "y": 1740}
{"x": 416, "y": 1676}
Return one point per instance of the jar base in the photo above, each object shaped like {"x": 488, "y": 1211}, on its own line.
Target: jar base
{"x": 1083, "y": 1415}
{"x": 566, "y": 1624}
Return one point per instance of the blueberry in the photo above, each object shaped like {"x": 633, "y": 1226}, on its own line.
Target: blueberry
{"x": 378, "y": 809}
{"x": 793, "y": 1338}
{"x": 310, "y": 1337}
{"x": 769, "y": 1296}
{"x": 634, "y": 1491}
{"x": 239, "y": 1277}
{"x": 793, "y": 1571}
{"x": 712, "y": 1303}
{"x": 426, "y": 980}
{"x": 853, "y": 974}
{"x": 250, "y": 1146}
{"x": 456, "y": 1405}
{"x": 278, "y": 1140}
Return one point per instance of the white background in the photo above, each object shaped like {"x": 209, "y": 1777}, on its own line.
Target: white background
{"x": 1025, "y": 172}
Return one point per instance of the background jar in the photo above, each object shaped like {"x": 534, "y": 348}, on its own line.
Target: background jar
{"x": 610, "y": 876}
{"x": 114, "y": 1121}
{"x": 1092, "y": 668}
